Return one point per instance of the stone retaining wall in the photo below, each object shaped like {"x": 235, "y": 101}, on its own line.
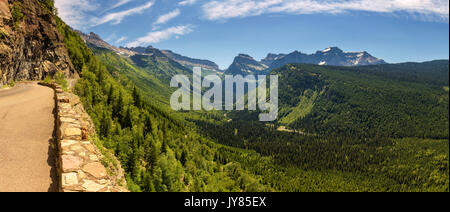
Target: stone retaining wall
{"x": 82, "y": 167}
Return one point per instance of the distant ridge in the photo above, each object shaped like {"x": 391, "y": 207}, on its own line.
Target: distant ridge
{"x": 245, "y": 64}
{"x": 333, "y": 56}
{"x": 191, "y": 62}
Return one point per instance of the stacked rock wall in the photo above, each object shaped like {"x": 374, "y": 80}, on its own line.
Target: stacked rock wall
{"x": 82, "y": 167}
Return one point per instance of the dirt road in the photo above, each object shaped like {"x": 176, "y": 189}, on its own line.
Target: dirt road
{"x": 27, "y": 149}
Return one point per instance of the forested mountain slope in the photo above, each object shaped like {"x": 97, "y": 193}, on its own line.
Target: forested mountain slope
{"x": 159, "y": 152}
{"x": 374, "y": 128}
{"x": 163, "y": 152}
{"x": 126, "y": 69}
{"x": 403, "y": 100}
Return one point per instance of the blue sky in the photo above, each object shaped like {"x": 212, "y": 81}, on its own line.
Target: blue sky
{"x": 394, "y": 30}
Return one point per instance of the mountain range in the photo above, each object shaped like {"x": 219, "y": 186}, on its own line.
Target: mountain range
{"x": 187, "y": 62}
{"x": 245, "y": 64}
{"x": 341, "y": 126}
{"x": 333, "y": 56}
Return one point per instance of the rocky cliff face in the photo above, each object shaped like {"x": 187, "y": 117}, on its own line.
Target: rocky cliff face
{"x": 95, "y": 40}
{"x": 191, "y": 62}
{"x": 31, "y": 47}
{"x": 271, "y": 58}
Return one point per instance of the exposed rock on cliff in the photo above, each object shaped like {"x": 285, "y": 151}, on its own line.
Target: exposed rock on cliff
{"x": 31, "y": 47}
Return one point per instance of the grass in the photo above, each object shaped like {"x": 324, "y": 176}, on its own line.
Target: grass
{"x": 16, "y": 13}
{"x": 3, "y": 35}
{"x": 59, "y": 78}
{"x": 11, "y": 84}
{"x": 303, "y": 109}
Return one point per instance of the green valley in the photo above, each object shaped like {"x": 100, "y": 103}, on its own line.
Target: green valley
{"x": 368, "y": 128}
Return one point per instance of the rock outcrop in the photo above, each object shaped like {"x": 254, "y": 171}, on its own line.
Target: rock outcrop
{"x": 191, "y": 62}
{"x": 31, "y": 47}
{"x": 244, "y": 64}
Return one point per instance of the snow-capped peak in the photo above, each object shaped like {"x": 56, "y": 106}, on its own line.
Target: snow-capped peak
{"x": 326, "y": 50}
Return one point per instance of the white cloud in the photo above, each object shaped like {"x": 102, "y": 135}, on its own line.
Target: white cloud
{"x": 120, "y": 3}
{"x": 167, "y": 17}
{"x": 158, "y": 36}
{"x": 120, "y": 40}
{"x": 117, "y": 17}
{"x": 436, "y": 10}
{"x": 74, "y": 13}
{"x": 187, "y": 2}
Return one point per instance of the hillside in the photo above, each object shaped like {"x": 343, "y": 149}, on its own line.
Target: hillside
{"x": 378, "y": 128}
{"x": 158, "y": 151}
{"x": 347, "y": 148}
{"x": 191, "y": 62}
{"x": 347, "y": 127}
{"x": 403, "y": 100}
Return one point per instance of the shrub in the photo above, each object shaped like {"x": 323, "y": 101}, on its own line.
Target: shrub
{"x": 60, "y": 78}
{"x": 16, "y": 13}
{"x": 11, "y": 84}
{"x": 3, "y": 35}
{"x": 49, "y": 4}
{"x": 47, "y": 80}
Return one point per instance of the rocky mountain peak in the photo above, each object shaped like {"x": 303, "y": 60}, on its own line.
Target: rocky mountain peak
{"x": 270, "y": 58}
{"x": 245, "y": 64}
{"x": 332, "y": 50}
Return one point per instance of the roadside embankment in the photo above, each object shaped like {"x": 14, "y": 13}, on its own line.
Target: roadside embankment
{"x": 82, "y": 165}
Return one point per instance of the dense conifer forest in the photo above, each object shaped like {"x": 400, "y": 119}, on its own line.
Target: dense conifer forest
{"x": 375, "y": 128}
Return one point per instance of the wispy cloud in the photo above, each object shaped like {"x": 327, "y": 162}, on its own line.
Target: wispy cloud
{"x": 120, "y": 3}
{"x": 74, "y": 13}
{"x": 117, "y": 17}
{"x": 120, "y": 40}
{"x": 187, "y": 2}
{"x": 158, "y": 36}
{"x": 167, "y": 17}
{"x": 430, "y": 10}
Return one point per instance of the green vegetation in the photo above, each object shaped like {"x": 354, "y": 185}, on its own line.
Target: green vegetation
{"x": 11, "y": 84}
{"x": 368, "y": 101}
{"x": 158, "y": 152}
{"x": 302, "y": 110}
{"x": 3, "y": 35}
{"x": 360, "y": 125}
{"x": 329, "y": 163}
{"x": 143, "y": 78}
{"x": 16, "y": 12}
{"x": 377, "y": 128}
{"x": 47, "y": 80}
{"x": 60, "y": 78}
{"x": 48, "y": 4}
